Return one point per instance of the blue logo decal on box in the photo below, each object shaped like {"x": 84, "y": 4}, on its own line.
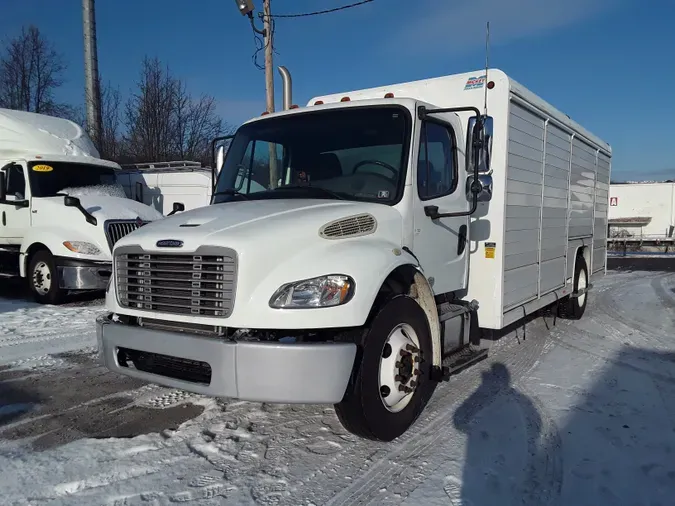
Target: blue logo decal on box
{"x": 475, "y": 82}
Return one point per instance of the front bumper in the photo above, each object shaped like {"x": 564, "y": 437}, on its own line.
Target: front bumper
{"x": 76, "y": 274}
{"x": 307, "y": 373}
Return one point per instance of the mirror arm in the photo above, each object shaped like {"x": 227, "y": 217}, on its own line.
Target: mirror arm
{"x": 87, "y": 216}
{"x": 423, "y": 112}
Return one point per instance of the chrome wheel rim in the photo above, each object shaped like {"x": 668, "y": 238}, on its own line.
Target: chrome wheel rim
{"x": 399, "y": 371}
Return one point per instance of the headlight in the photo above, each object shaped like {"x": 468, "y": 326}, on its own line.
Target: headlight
{"x": 324, "y": 291}
{"x": 85, "y": 248}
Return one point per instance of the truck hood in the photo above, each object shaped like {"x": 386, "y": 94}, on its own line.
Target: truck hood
{"x": 102, "y": 207}
{"x": 262, "y": 223}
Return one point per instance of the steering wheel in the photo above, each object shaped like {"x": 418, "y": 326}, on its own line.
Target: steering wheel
{"x": 393, "y": 170}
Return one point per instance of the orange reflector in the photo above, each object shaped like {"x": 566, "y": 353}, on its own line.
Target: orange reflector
{"x": 491, "y": 85}
{"x": 294, "y": 106}
{"x": 318, "y": 102}
{"x": 344, "y": 99}
{"x": 389, "y": 95}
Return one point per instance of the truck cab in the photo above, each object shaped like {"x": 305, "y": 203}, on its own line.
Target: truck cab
{"x": 61, "y": 209}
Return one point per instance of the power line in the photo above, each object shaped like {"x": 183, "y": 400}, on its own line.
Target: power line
{"x": 316, "y": 13}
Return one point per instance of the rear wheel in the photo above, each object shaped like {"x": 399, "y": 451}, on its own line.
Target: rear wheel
{"x": 43, "y": 278}
{"x": 573, "y": 308}
{"x": 390, "y": 385}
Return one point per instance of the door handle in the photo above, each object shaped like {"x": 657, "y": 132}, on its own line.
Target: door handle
{"x": 4, "y": 219}
{"x": 461, "y": 240}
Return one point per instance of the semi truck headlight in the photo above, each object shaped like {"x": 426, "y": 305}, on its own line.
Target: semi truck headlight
{"x": 85, "y": 248}
{"x": 324, "y": 291}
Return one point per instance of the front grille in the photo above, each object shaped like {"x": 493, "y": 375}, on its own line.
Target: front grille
{"x": 200, "y": 283}
{"x": 115, "y": 230}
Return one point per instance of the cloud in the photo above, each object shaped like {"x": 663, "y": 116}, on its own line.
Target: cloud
{"x": 457, "y": 26}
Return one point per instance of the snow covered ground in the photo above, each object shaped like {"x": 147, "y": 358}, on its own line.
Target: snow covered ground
{"x": 578, "y": 413}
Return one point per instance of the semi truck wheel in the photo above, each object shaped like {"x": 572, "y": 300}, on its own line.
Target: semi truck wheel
{"x": 390, "y": 385}
{"x": 573, "y": 308}
{"x": 43, "y": 278}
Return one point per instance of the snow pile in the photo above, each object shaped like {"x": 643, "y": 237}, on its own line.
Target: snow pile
{"x": 108, "y": 190}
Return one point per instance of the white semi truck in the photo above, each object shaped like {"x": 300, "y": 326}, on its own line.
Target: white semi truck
{"x": 356, "y": 249}
{"x": 61, "y": 208}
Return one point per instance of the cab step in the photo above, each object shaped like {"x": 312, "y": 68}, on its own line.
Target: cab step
{"x": 458, "y": 361}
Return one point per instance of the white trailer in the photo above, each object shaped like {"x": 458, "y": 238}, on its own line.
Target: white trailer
{"x": 357, "y": 247}
{"x": 60, "y": 208}
{"x": 168, "y": 186}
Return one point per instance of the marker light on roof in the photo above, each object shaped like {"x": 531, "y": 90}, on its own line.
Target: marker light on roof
{"x": 389, "y": 95}
{"x": 318, "y": 102}
{"x": 294, "y": 106}
{"x": 491, "y": 85}
{"x": 345, "y": 99}
{"x": 265, "y": 113}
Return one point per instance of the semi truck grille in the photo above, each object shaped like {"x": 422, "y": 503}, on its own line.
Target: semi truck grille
{"x": 115, "y": 230}
{"x": 196, "y": 283}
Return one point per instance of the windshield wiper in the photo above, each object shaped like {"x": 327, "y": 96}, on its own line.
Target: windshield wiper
{"x": 313, "y": 188}
{"x": 231, "y": 191}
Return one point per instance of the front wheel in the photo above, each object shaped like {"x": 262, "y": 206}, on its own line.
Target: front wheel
{"x": 391, "y": 383}
{"x": 43, "y": 278}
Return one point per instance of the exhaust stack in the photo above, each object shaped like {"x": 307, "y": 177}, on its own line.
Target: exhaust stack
{"x": 287, "y": 87}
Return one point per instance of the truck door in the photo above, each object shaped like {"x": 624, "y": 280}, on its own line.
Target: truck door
{"x": 14, "y": 218}
{"x": 441, "y": 245}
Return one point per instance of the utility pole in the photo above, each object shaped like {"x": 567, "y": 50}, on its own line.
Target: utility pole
{"x": 92, "y": 89}
{"x": 269, "y": 49}
{"x": 268, "y": 36}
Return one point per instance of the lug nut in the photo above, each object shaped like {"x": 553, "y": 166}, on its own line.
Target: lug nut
{"x": 417, "y": 372}
{"x": 398, "y": 377}
{"x": 399, "y": 364}
{"x": 412, "y": 348}
{"x": 405, "y": 353}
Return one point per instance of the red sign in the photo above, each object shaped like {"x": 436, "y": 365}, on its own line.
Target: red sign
{"x": 614, "y": 201}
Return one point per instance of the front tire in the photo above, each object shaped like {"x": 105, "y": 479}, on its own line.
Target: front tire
{"x": 43, "y": 279}
{"x": 391, "y": 382}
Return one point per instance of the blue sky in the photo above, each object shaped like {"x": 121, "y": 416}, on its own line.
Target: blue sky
{"x": 606, "y": 63}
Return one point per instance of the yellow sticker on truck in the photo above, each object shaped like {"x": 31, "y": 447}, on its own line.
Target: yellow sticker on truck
{"x": 490, "y": 249}
{"x": 43, "y": 168}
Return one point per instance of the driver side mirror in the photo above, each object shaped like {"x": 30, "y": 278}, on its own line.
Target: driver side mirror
{"x": 177, "y": 208}
{"x": 479, "y": 135}
{"x": 219, "y": 148}
{"x": 3, "y": 186}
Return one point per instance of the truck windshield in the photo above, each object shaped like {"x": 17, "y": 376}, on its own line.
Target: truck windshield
{"x": 49, "y": 178}
{"x": 356, "y": 153}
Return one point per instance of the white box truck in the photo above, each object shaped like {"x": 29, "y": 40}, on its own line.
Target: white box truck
{"x": 61, "y": 209}
{"x": 356, "y": 248}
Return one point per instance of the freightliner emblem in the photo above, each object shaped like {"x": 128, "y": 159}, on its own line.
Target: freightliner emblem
{"x": 169, "y": 243}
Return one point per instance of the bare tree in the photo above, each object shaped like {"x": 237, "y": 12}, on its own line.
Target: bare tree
{"x": 149, "y": 114}
{"x": 110, "y": 138}
{"x": 165, "y": 122}
{"x": 30, "y": 72}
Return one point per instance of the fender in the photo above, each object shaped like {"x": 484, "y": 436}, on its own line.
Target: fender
{"x": 53, "y": 237}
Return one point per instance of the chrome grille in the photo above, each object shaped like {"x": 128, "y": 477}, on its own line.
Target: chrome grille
{"x": 200, "y": 283}
{"x": 115, "y": 230}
